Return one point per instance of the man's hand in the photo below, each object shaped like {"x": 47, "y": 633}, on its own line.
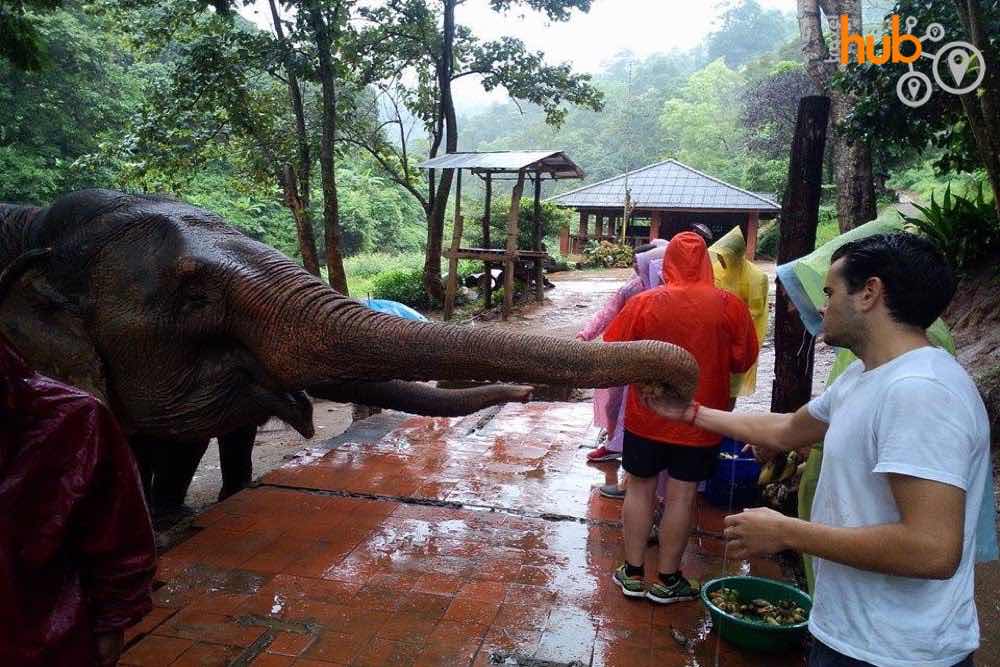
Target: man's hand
{"x": 762, "y": 454}
{"x": 109, "y": 647}
{"x": 757, "y": 531}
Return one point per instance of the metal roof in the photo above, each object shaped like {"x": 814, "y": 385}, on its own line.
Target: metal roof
{"x": 554, "y": 163}
{"x": 667, "y": 185}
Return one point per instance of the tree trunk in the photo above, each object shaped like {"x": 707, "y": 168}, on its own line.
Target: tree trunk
{"x": 297, "y": 185}
{"x": 331, "y": 214}
{"x": 793, "y": 347}
{"x": 303, "y": 223}
{"x": 439, "y": 194}
{"x": 983, "y": 110}
{"x": 852, "y": 159}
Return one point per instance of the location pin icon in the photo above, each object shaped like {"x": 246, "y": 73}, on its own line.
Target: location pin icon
{"x": 958, "y": 64}
{"x": 914, "y": 86}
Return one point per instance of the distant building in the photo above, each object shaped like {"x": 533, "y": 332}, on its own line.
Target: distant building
{"x": 666, "y": 198}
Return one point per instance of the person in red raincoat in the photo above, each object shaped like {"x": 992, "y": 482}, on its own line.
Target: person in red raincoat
{"x": 716, "y": 328}
{"x": 77, "y": 554}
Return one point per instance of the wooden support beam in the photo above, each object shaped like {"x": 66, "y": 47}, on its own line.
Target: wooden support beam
{"x": 654, "y": 225}
{"x": 487, "y": 267}
{"x": 537, "y": 221}
{"x": 599, "y": 224}
{"x": 753, "y": 224}
{"x": 456, "y": 243}
{"x": 793, "y": 346}
{"x": 511, "y": 255}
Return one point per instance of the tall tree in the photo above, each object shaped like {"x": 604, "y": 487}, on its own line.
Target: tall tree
{"x": 296, "y": 183}
{"x": 983, "y": 108}
{"x": 326, "y": 19}
{"x": 852, "y": 156}
{"x": 421, "y": 38}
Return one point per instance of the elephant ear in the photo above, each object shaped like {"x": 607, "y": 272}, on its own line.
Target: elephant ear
{"x": 47, "y": 329}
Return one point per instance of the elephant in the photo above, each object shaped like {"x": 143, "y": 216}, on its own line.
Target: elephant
{"x": 188, "y": 329}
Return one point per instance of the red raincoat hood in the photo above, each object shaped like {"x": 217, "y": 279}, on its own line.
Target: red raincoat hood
{"x": 686, "y": 262}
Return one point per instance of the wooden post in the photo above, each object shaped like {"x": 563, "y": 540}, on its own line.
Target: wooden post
{"x": 583, "y": 228}
{"x": 456, "y": 243}
{"x": 487, "y": 267}
{"x": 654, "y": 225}
{"x": 537, "y": 220}
{"x": 753, "y": 223}
{"x": 793, "y": 347}
{"x": 564, "y": 240}
{"x": 599, "y": 224}
{"x": 511, "y": 255}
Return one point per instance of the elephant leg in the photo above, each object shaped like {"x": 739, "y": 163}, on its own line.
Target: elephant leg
{"x": 236, "y": 459}
{"x": 176, "y": 463}
{"x": 142, "y": 450}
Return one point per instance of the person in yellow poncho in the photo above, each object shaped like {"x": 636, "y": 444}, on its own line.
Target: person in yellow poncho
{"x": 735, "y": 273}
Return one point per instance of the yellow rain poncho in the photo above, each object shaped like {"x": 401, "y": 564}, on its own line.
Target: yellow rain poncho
{"x": 734, "y": 273}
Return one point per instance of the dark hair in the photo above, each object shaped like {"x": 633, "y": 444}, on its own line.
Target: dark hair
{"x": 918, "y": 281}
{"x": 643, "y": 248}
{"x": 703, "y": 231}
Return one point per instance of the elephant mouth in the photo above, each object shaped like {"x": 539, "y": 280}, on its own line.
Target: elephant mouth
{"x": 293, "y": 408}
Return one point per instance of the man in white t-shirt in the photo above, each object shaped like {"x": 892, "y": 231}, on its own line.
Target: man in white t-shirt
{"x": 906, "y": 448}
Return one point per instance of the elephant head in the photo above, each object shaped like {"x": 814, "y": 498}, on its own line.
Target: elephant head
{"x": 189, "y": 328}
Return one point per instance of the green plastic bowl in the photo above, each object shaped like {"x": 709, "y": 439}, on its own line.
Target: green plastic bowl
{"x": 749, "y": 634}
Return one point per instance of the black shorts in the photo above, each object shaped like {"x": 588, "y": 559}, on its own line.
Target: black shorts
{"x": 643, "y": 457}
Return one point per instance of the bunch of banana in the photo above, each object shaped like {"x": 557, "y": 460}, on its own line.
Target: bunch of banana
{"x": 779, "y": 469}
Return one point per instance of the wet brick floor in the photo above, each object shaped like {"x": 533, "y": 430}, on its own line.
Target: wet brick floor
{"x": 443, "y": 542}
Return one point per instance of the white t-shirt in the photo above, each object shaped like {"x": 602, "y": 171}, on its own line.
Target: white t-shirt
{"x": 918, "y": 415}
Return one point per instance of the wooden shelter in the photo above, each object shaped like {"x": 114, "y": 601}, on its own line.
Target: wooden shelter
{"x": 502, "y": 165}
{"x": 665, "y": 198}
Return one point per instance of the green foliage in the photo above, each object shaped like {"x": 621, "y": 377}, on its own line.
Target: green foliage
{"x": 767, "y": 240}
{"x": 402, "y": 285}
{"x": 609, "y": 255}
{"x": 879, "y": 116}
{"x": 22, "y": 41}
{"x": 702, "y": 126}
{"x": 746, "y": 31}
{"x": 553, "y": 217}
{"x": 966, "y": 230}
{"x": 55, "y": 117}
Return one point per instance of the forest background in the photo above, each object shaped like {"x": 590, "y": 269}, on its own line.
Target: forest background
{"x": 191, "y": 99}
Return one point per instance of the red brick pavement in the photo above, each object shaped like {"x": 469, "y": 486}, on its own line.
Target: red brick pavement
{"x": 517, "y": 563}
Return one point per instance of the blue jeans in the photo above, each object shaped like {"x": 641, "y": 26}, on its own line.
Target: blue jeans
{"x": 824, "y": 656}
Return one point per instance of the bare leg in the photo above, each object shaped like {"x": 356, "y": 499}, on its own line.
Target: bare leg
{"x": 637, "y": 517}
{"x": 676, "y": 523}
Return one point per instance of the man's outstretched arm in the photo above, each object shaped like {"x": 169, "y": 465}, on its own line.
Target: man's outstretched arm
{"x": 781, "y": 432}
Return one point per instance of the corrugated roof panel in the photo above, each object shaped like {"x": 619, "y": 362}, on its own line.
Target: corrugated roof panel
{"x": 667, "y": 184}
{"x": 555, "y": 162}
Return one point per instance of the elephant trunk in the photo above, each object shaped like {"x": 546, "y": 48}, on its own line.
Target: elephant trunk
{"x": 307, "y": 334}
{"x": 422, "y": 399}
